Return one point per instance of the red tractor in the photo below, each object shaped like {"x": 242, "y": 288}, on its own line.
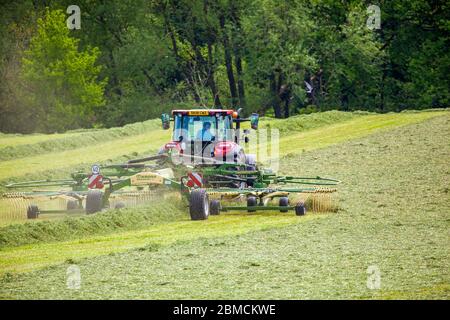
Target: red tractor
{"x": 207, "y": 136}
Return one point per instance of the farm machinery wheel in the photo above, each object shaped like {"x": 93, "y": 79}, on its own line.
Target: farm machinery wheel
{"x": 72, "y": 205}
{"x": 119, "y": 205}
{"x": 32, "y": 211}
{"x": 94, "y": 201}
{"x": 300, "y": 209}
{"x": 214, "y": 207}
{"x": 283, "y": 202}
{"x": 251, "y": 202}
{"x": 199, "y": 204}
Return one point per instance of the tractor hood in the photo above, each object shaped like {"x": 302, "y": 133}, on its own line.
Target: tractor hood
{"x": 224, "y": 148}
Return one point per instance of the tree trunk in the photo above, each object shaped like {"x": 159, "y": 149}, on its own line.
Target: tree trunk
{"x": 228, "y": 62}
{"x": 211, "y": 80}
{"x": 237, "y": 48}
{"x": 188, "y": 78}
{"x": 210, "y": 63}
{"x": 114, "y": 80}
{"x": 241, "y": 91}
{"x": 286, "y": 108}
{"x": 275, "y": 98}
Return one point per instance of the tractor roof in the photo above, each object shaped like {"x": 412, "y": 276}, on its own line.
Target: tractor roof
{"x": 202, "y": 112}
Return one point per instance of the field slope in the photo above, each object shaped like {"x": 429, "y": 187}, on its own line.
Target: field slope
{"x": 395, "y": 215}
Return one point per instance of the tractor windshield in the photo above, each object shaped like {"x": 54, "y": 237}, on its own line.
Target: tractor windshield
{"x": 205, "y": 128}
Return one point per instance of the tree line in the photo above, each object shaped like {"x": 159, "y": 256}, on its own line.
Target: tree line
{"x": 133, "y": 59}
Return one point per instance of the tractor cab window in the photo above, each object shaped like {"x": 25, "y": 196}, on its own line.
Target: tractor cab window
{"x": 194, "y": 128}
{"x": 202, "y": 128}
{"x": 224, "y": 128}
{"x": 177, "y": 128}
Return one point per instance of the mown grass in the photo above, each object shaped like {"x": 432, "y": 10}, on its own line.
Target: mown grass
{"x": 355, "y": 128}
{"x": 13, "y": 146}
{"x": 311, "y": 121}
{"x": 169, "y": 208}
{"x": 395, "y": 208}
{"x": 31, "y": 257}
{"x": 89, "y": 154}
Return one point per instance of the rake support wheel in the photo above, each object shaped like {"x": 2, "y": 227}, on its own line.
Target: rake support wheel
{"x": 32, "y": 211}
{"x": 251, "y": 202}
{"x": 199, "y": 204}
{"x": 214, "y": 207}
{"x": 94, "y": 201}
{"x": 300, "y": 209}
{"x": 284, "y": 202}
{"x": 72, "y": 205}
{"x": 119, "y": 205}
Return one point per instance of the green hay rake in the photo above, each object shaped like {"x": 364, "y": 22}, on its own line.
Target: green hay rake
{"x": 208, "y": 190}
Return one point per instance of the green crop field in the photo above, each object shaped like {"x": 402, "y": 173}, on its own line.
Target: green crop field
{"x": 394, "y": 215}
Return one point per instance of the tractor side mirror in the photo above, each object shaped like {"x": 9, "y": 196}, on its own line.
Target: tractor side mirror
{"x": 254, "y": 118}
{"x": 165, "y": 119}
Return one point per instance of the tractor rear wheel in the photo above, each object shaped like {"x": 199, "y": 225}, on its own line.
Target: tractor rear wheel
{"x": 32, "y": 211}
{"x": 199, "y": 204}
{"x": 94, "y": 201}
{"x": 214, "y": 207}
{"x": 251, "y": 202}
{"x": 284, "y": 202}
{"x": 300, "y": 209}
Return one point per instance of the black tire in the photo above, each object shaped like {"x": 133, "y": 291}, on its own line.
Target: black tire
{"x": 32, "y": 211}
{"x": 251, "y": 202}
{"x": 214, "y": 207}
{"x": 300, "y": 209}
{"x": 72, "y": 205}
{"x": 283, "y": 202}
{"x": 94, "y": 201}
{"x": 119, "y": 205}
{"x": 199, "y": 204}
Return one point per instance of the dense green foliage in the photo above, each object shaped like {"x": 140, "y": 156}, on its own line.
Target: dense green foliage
{"x": 62, "y": 82}
{"x": 151, "y": 56}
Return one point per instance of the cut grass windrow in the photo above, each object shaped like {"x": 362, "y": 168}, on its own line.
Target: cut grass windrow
{"x": 87, "y": 155}
{"x": 32, "y": 257}
{"x": 79, "y": 136}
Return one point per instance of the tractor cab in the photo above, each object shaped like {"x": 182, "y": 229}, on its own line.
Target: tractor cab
{"x": 210, "y": 133}
{"x": 205, "y": 126}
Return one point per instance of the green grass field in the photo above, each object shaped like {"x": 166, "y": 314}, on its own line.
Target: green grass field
{"x": 394, "y": 215}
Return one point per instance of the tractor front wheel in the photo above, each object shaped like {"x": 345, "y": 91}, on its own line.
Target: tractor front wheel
{"x": 199, "y": 204}
{"x": 32, "y": 211}
{"x": 94, "y": 201}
